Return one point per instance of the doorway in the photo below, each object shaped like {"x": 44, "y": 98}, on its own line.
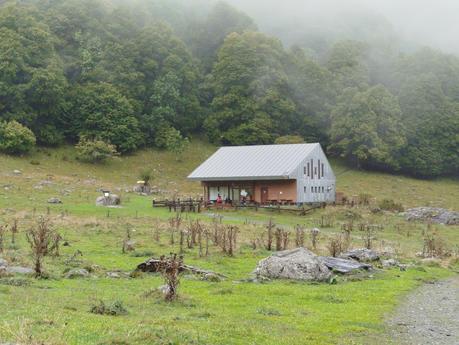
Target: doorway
{"x": 264, "y": 195}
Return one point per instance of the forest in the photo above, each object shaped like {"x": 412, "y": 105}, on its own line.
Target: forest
{"x": 124, "y": 75}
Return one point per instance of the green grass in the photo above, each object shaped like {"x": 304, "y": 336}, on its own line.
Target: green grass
{"x": 56, "y": 310}
{"x": 231, "y": 312}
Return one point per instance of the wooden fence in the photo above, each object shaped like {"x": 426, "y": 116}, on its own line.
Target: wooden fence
{"x": 190, "y": 205}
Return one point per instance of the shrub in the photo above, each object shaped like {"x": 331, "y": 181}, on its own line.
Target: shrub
{"x": 15, "y": 138}
{"x": 41, "y": 239}
{"x": 114, "y": 309}
{"x": 94, "y": 151}
{"x": 289, "y": 139}
{"x": 49, "y": 135}
{"x": 146, "y": 175}
{"x": 390, "y": 205}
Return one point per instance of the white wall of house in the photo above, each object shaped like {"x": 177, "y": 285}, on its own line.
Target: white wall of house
{"x": 316, "y": 181}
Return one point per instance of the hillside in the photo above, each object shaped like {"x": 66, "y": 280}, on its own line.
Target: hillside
{"x": 169, "y": 176}
{"x": 59, "y": 310}
{"x": 166, "y": 70}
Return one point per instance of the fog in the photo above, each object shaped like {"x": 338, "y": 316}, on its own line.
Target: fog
{"x": 410, "y": 23}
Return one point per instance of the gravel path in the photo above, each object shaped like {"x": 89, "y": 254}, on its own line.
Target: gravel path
{"x": 429, "y": 316}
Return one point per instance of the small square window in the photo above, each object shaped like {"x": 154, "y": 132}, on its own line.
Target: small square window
{"x": 305, "y": 189}
{"x": 323, "y": 189}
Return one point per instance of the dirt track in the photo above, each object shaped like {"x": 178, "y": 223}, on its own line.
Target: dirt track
{"x": 428, "y": 316}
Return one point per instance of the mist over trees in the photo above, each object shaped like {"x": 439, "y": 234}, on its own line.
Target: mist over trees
{"x": 148, "y": 73}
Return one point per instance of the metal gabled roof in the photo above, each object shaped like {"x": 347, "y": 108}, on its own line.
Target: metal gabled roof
{"x": 258, "y": 162}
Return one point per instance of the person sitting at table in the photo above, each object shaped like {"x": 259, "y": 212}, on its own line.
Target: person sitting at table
{"x": 219, "y": 199}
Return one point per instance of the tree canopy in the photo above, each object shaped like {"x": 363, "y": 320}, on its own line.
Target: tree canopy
{"x": 155, "y": 72}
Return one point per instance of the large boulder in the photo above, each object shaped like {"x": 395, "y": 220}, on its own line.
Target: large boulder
{"x": 296, "y": 264}
{"x": 344, "y": 265}
{"x": 77, "y": 273}
{"x": 11, "y": 270}
{"x": 362, "y": 255}
{"x": 112, "y": 200}
{"x": 433, "y": 214}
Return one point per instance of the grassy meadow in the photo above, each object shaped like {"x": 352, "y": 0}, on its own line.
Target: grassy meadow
{"x": 234, "y": 311}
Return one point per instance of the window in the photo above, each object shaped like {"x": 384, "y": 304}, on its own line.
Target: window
{"x": 309, "y": 170}
{"x": 312, "y": 171}
{"x": 304, "y": 189}
{"x": 315, "y": 170}
{"x": 318, "y": 167}
{"x": 315, "y": 189}
{"x": 312, "y": 189}
{"x": 323, "y": 189}
{"x": 304, "y": 171}
{"x": 322, "y": 169}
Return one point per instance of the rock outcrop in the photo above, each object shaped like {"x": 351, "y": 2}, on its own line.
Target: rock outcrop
{"x": 433, "y": 214}
{"x": 361, "y": 254}
{"x": 344, "y": 265}
{"x": 296, "y": 264}
{"x": 112, "y": 200}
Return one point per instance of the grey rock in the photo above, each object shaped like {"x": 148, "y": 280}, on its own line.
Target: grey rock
{"x": 433, "y": 214}
{"x": 362, "y": 255}
{"x": 77, "y": 273}
{"x": 112, "y": 200}
{"x": 54, "y": 201}
{"x": 164, "y": 289}
{"x": 344, "y": 265}
{"x": 296, "y": 264}
{"x": 129, "y": 246}
{"x": 390, "y": 263}
{"x": 117, "y": 275}
{"x": 18, "y": 270}
{"x": 3, "y": 262}
{"x": 142, "y": 189}
{"x": 211, "y": 277}
{"x": 17, "y": 172}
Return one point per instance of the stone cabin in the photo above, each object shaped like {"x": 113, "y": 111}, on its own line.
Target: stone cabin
{"x": 288, "y": 174}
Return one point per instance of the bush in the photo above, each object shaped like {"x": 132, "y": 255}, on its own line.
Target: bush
{"x": 289, "y": 139}
{"x": 94, "y": 151}
{"x": 49, "y": 135}
{"x": 16, "y": 138}
{"x": 390, "y": 205}
{"x": 114, "y": 309}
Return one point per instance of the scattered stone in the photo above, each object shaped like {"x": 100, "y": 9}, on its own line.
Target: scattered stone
{"x": 431, "y": 262}
{"x": 77, "y": 273}
{"x": 129, "y": 246}
{"x": 17, "y": 172}
{"x": 211, "y": 277}
{"x": 362, "y": 255}
{"x": 44, "y": 183}
{"x": 54, "y": 201}
{"x": 152, "y": 265}
{"x": 164, "y": 289}
{"x": 433, "y": 214}
{"x": 344, "y": 265}
{"x": 3, "y": 262}
{"x": 112, "y": 200}
{"x": 142, "y": 189}
{"x": 17, "y": 270}
{"x": 390, "y": 263}
{"x": 296, "y": 264}
{"x": 117, "y": 275}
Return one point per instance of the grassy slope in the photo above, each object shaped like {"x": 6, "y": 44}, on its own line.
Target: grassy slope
{"x": 56, "y": 310}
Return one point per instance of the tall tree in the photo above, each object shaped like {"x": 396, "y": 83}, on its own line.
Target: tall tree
{"x": 366, "y": 128}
